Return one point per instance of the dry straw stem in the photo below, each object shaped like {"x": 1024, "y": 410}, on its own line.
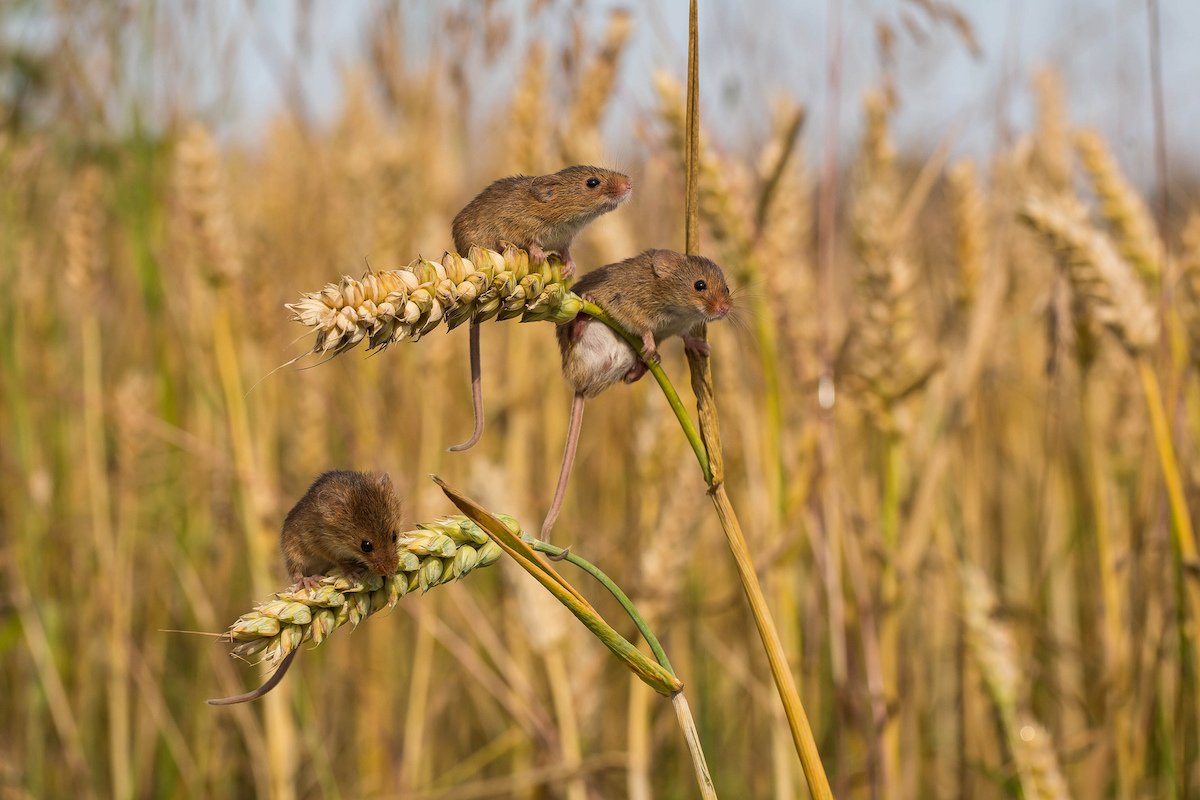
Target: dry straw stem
{"x": 702, "y": 385}
{"x": 994, "y": 651}
{"x": 432, "y": 554}
{"x": 744, "y": 238}
{"x": 1190, "y": 279}
{"x": 1122, "y": 208}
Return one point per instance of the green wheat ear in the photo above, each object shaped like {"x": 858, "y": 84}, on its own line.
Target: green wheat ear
{"x": 434, "y": 553}
{"x": 405, "y": 304}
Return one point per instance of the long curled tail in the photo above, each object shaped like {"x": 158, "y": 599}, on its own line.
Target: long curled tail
{"x": 270, "y": 684}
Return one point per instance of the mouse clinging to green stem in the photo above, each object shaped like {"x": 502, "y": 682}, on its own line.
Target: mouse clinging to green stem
{"x": 655, "y": 295}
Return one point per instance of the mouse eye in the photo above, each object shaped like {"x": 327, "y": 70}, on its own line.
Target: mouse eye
{"x": 592, "y": 183}
{"x": 701, "y": 286}
{"x": 367, "y": 546}
{"x": 395, "y": 536}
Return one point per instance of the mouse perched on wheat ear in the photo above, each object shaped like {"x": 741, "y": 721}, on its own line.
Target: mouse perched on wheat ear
{"x": 541, "y": 214}
{"x": 346, "y": 521}
{"x": 654, "y": 295}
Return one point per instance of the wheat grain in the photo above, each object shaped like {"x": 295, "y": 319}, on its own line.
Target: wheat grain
{"x": 1122, "y": 208}
{"x": 200, "y": 192}
{"x": 405, "y": 304}
{"x": 432, "y": 554}
{"x": 1097, "y": 271}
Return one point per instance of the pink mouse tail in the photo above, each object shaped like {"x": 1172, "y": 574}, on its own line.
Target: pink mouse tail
{"x": 564, "y": 472}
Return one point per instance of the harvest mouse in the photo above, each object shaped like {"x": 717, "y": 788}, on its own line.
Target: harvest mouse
{"x": 540, "y": 214}
{"x": 348, "y": 521}
{"x": 654, "y": 295}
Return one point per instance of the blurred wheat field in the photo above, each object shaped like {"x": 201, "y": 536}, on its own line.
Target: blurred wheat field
{"x": 977, "y": 541}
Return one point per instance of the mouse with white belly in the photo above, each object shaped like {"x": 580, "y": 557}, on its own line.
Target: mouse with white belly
{"x": 655, "y": 295}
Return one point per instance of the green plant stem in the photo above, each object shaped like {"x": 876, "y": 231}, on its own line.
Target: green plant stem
{"x": 614, "y": 590}
{"x": 689, "y": 428}
{"x": 659, "y": 677}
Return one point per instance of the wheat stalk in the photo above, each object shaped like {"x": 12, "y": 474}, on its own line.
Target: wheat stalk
{"x": 968, "y": 209}
{"x": 1052, "y": 144}
{"x": 432, "y": 554}
{"x": 1097, "y": 271}
{"x": 82, "y": 228}
{"x": 527, "y": 139}
{"x": 992, "y": 645}
{"x": 718, "y": 207}
{"x": 1190, "y": 285}
{"x": 200, "y": 193}
{"x": 596, "y": 85}
{"x": 888, "y": 352}
{"x": 1122, "y": 208}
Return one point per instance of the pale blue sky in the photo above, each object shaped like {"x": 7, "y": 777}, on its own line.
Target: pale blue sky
{"x": 757, "y": 48}
{"x": 230, "y": 52}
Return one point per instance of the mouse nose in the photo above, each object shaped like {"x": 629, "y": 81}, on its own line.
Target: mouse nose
{"x": 721, "y": 308}
{"x": 624, "y": 185}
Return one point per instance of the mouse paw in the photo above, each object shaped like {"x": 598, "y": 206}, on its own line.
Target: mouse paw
{"x": 696, "y": 345}
{"x": 537, "y": 256}
{"x": 636, "y": 372}
{"x": 310, "y": 582}
{"x": 650, "y": 349}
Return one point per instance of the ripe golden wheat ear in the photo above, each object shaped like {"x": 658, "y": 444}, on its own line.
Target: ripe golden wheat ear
{"x": 432, "y": 554}
{"x": 405, "y": 304}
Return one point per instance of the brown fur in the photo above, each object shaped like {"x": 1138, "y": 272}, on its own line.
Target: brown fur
{"x": 652, "y": 295}
{"x": 340, "y": 511}
{"x": 539, "y": 213}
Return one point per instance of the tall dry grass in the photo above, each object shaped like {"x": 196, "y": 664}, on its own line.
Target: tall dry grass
{"x": 999, "y": 596}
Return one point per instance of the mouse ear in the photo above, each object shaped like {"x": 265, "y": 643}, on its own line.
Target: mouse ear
{"x": 384, "y": 480}
{"x": 659, "y": 262}
{"x": 543, "y": 188}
